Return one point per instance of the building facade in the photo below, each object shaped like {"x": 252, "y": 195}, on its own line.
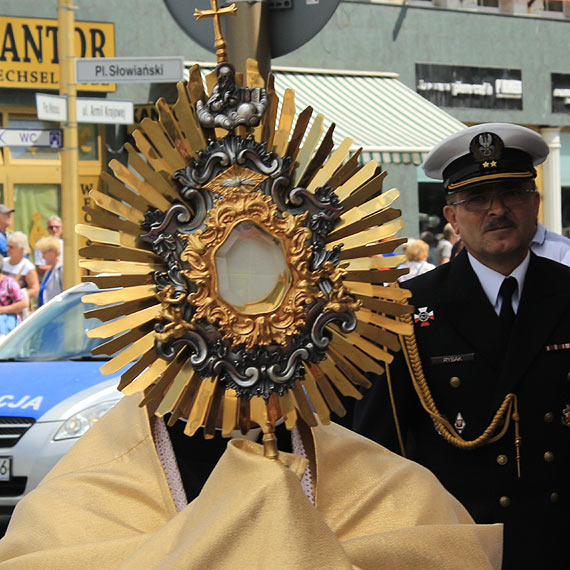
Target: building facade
{"x": 490, "y": 60}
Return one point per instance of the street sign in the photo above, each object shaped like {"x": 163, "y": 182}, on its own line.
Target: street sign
{"x": 104, "y": 111}
{"x": 129, "y": 70}
{"x": 31, "y": 137}
{"x": 292, "y": 23}
{"x": 51, "y": 107}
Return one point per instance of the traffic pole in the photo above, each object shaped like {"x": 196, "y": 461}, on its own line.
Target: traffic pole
{"x": 69, "y": 153}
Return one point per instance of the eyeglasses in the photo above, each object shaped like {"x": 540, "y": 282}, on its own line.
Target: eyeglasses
{"x": 479, "y": 203}
{"x": 53, "y": 227}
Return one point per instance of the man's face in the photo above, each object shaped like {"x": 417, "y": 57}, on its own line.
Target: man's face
{"x": 5, "y": 221}
{"x": 55, "y": 228}
{"x": 497, "y": 221}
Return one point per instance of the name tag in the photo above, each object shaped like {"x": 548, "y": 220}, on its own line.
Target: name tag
{"x": 452, "y": 358}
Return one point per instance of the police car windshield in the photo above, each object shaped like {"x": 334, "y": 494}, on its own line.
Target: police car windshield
{"x": 57, "y": 332}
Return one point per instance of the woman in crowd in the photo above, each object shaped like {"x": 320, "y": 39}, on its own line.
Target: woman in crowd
{"x": 12, "y": 302}
{"x": 52, "y": 282}
{"x": 417, "y": 254}
{"x": 21, "y": 269}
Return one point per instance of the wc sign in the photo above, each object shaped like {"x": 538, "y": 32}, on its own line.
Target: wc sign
{"x": 31, "y": 137}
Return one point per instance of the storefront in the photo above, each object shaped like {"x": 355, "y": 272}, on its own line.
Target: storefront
{"x": 30, "y": 176}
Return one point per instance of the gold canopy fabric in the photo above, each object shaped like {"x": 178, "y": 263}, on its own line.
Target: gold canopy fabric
{"x": 107, "y": 504}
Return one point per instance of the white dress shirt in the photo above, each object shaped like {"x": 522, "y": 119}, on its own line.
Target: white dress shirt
{"x": 551, "y": 245}
{"x": 492, "y": 280}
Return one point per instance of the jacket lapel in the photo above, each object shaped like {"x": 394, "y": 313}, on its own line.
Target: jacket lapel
{"x": 544, "y": 302}
{"x": 466, "y": 307}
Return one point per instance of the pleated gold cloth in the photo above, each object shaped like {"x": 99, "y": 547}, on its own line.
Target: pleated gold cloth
{"x": 107, "y": 504}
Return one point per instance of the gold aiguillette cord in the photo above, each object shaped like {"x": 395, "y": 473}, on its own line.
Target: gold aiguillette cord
{"x": 507, "y": 410}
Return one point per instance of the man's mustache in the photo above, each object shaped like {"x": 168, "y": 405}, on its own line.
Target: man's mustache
{"x": 500, "y": 223}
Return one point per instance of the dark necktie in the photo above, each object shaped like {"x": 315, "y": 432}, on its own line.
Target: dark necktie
{"x": 507, "y": 315}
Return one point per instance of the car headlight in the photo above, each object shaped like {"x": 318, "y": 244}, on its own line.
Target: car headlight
{"x": 78, "y": 424}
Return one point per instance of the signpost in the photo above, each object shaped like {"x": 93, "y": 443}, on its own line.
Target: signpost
{"x": 129, "y": 70}
{"x": 51, "y": 107}
{"x": 31, "y": 137}
{"x": 105, "y": 111}
{"x": 94, "y": 110}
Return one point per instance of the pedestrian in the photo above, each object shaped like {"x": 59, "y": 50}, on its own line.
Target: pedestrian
{"x": 416, "y": 253}
{"x": 52, "y": 281}
{"x": 550, "y": 244}
{"x": 12, "y": 302}
{"x": 5, "y": 221}
{"x": 445, "y": 244}
{"x": 20, "y": 268}
{"x": 490, "y": 357}
{"x": 55, "y": 229}
{"x": 431, "y": 240}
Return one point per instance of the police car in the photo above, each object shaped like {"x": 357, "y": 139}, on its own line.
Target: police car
{"x": 51, "y": 392}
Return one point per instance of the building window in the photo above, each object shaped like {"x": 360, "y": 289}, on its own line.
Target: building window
{"x": 488, "y": 3}
{"x": 88, "y": 142}
{"x": 36, "y": 203}
{"x": 553, "y": 6}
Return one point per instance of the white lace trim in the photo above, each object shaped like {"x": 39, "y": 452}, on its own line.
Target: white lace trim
{"x": 307, "y": 479}
{"x": 169, "y": 464}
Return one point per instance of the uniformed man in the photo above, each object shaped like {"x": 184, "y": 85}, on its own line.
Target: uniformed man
{"x": 481, "y": 393}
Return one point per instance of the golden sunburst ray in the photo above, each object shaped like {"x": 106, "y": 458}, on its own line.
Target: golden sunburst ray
{"x": 349, "y": 370}
{"x": 356, "y": 180}
{"x": 148, "y": 196}
{"x": 326, "y": 389}
{"x": 112, "y": 312}
{"x": 318, "y": 158}
{"x": 169, "y": 388}
{"x": 267, "y": 132}
{"x": 101, "y": 218}
{"x": 120, "y": 342}
{"x": 331, "y": 165}
{"x": 307, "y": 149}
{"x": 345, "y": 171}
{"x": 298, "y": 134}
{"x": 281, "y": 137}
{"x": 156, "y": 227}
{"x": 154, "y": 179}
{"x": 172, "y": 128}
{"x": 105, "y": 236}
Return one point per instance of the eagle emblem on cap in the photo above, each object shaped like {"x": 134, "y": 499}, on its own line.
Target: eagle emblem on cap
{"x": 486, "y": 148}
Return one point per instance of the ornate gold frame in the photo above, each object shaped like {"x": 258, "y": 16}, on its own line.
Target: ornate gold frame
{"x": 273, "y": 327}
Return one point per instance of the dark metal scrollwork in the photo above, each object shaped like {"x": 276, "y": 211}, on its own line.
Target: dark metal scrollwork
{"x": 262, "y": 370}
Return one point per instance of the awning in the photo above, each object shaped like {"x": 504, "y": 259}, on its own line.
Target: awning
{"x": 390, "y": 121}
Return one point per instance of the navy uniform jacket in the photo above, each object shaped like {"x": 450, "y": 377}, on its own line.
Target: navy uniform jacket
{"x": 471, "y": 364}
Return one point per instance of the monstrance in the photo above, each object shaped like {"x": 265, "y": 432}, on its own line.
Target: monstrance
{"x": 245, "y": 258}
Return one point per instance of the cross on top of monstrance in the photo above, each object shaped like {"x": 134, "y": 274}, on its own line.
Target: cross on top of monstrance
{"x": 215, "y": 13}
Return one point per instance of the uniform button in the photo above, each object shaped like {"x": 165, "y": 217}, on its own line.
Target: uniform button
{"x": 554, "y": 497}
{"x": 549, "y": 457}
{"x": 455, "y": 381}
{"x": 505, "y": 501}
{"x": 548, "y": 417}
{"x": 502, "y": 460}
